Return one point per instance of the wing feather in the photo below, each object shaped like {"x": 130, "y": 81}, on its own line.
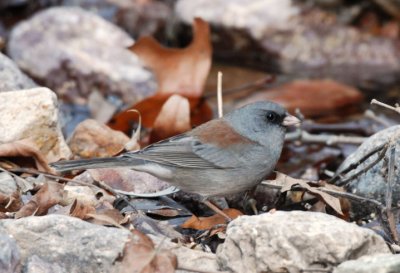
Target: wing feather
{"x": 185, "y": 151}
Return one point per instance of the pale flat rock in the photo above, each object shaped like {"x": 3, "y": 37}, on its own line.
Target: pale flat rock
{"x": 11, "y": 77}
{"x": 294, "y": 241}
{"x": 76, "y": 52}
{"x": 381, "y": 263}
{"x": 52, "y": 242}
{"x": 33, "y": 114}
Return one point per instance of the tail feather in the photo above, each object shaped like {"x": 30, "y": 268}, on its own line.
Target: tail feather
{"x": 94, "y": 163}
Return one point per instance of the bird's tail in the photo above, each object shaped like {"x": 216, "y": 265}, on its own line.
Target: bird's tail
{"x": 95, "y": 163}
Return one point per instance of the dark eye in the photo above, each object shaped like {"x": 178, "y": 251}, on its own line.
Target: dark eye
{"x": 271, "y": 116}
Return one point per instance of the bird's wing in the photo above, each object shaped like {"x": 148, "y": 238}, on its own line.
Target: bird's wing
{"x": 185, "y": 151}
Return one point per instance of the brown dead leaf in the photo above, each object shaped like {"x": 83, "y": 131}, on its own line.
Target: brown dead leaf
{"x": 173, "y": 119}
{"x": 314, "y": 98}
{"x": 150, "y": 108}
{"x": 50, "y": 194}
{"x": 10, "y": 203}
{"x": 25, "y": 148}
{"x": 106, "y": 218}
{"x": 140, "y": 256}
{"x": 288, "y": 183}
{"x": 81, "y": 209}
{"x": 178, "y": 71}
{"x": 202, "y": 223}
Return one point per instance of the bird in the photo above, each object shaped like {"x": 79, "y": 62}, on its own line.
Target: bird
{"x": 223, "y": 156}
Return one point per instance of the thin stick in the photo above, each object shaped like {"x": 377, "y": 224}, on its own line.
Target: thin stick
{"x": 306, "y": 137}
{"x": 389, "y": 190}
{"x": 353, "y": 166}
{"x": 346, "y": 195}
{"x": 396, "y": 109}
{"x": 219, "y": 95}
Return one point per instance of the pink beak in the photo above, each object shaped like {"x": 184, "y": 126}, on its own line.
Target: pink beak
{"x": 290, "y": 120}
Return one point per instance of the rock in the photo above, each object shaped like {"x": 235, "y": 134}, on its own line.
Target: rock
{"x": 283, "y": 38}
{"x": 34, "y": 264}
{"x": 11, "y": 78}
{"x": 294, "y": 241}
{"x": 381, "y": 263}
{"x": 32, "y": 114}
{"x": 9, "y": 254}
{"x": 66, "y": 242}
{"x": 94, "y": 139}
{"x": 137, "y": 18}
{"x": 60, "y": 48}
{"x": 372, "y": 183}
{"x": 125, "y": 179}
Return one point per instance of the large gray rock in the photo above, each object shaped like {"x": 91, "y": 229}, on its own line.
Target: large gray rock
{"x": 294, "y": 241}
{"x": 372, "y": 183}
{"x": 11, "y": 77}
{"x": 76, "y": 52}
{"x": 381, "y": 263}
{"x": 10, "y": 257}
{"x": 33, "y": 114}
{"x": 280, "y": 37}
{"x": 55, "y": 241}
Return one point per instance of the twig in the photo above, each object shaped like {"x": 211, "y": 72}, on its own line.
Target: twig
{"x": 219, "y": 95}
{"x": 346, "y": 195}
{"x": 305, "y": 137}
{"x": 371, "y": 115}
{"x": 353, "y": 166}
{"x": 396, "y": 108}
{"x": 389, "y": 190}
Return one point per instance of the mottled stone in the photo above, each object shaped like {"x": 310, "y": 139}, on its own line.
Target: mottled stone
{"x": 56, "y": 241}
{"x": 381, "y": 263}
{"x": 294, "y": 241}
{"x": 11, "y": 77}
{"x": 76, "y": 52}
{"x": 33, "y": 114}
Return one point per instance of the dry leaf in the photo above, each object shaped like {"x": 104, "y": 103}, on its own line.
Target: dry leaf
{"x": 140, "y": 256}
{"x": 173, "y": 119}
{"x": 303, "y": 94}
{"x": 150, "y": 108}
{"x": 25, "y": 148}
{"x": 10, "y": 202}
{"x": 50, "y": 194}
{"x": 106, "y": 218}
{"x": 80, "y": 210}
{"x": 288, "y": 183}
{"x": 202, "y": 223}
{"x": 178, "y": 71}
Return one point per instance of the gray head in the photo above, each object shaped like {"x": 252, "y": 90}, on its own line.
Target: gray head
{"x": 264, "y": 122}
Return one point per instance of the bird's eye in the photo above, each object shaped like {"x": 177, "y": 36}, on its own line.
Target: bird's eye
{"x": 271, "y": 116}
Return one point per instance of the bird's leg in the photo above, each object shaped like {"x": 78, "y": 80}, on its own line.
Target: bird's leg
{"x": 217, "y": 210}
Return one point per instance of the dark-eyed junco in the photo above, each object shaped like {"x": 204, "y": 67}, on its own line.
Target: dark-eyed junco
{"x": 223, "y": 156}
